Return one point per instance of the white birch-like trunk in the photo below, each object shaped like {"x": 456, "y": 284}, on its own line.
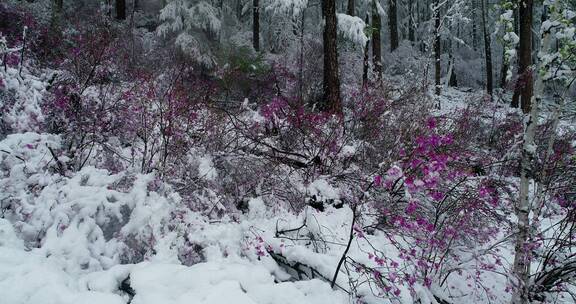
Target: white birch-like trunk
{"x": 521, "y": 270}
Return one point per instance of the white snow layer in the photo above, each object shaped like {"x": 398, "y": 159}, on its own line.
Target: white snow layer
{"x": 238, "y": 282}
{"x": 206, "y": 168}
{"x": 31, "y": 278}
{"x": 22, "y": 110}
{"x": 352, "y": 28}
{"x": 63, "y": 239}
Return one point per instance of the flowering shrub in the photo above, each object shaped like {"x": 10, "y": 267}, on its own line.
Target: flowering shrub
{"x": 433, "y": 197}
{"x": 151, "y": 155}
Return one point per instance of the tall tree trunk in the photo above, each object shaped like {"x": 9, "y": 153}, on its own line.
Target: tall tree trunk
{"x": 422, "y": 16}
{"x": 301, "y": 63}
{"x": 487, "y": 51}
{"x": 504, "y": 71}
{"x": 109, "y": 8}
{"x": 121, "y": 9}
{"x": 238, "y": 9}
{"x": 132, "y": 38}
{"x": 57, "y": 8}
{"x": 366, "y": 59}
{"x": 523, "y": 91}
{"x": 453, "y": 82}
{"x": 256, "y": 24}
{"x": 437, "y": 49}
{"x": 517, "y": 21}
{"x": 58, "y": 4}
{"x": 331, "y": 100}
{"x": 521, "y": 266}
{"x": 411, "y": 25}
{"x": 376, "y": 40}
{"x": 351, "y": 10}
{"x": 474, "y": 27}
{"x": 393, "y": 24}
{"x": 451, "y": 79}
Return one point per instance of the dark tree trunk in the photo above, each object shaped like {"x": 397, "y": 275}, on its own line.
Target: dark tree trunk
{"x": 301, "y": 63}
{"x": 411, "y": 25}
{"x": 487, "y": 52}
{"x": 256, "y": 24}
{"x": 59, "y": 4}
{"x": 109, "y": 8}
{"x": 437, "y": 49}
{"x": 351, "y": 8}
{"x": 517, "y": 21}
{"x": 56, "y": 18}
{"x": 331, "y": 100}
{"x": 452, "y": 79}
{"x": 366, "y": 59}
{"x": 376, "y": 40}
{"x": 523, "y": 91}
{"x": 453, "y": 82}
{"x": 474, "y": 27}
{"x": 238, "y": 8}
{"x": 121, "y": 9}
{"x": 422, "y": 16}
{"x": 393, "y": 24}
{"x": 503, "y": 71}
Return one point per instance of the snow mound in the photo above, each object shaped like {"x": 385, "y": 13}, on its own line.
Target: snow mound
{"x": 323, "y": 190}
{"x": 29, "y": 278}
{"x": 236, "y": 282}
{"x": 32, "y": 278}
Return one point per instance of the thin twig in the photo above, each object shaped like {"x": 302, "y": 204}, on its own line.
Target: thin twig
{"x": 58, "y": 162}
{"x": 347, "y": 247}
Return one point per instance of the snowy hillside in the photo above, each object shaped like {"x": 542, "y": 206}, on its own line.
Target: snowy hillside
{"x": 287, "y": 151}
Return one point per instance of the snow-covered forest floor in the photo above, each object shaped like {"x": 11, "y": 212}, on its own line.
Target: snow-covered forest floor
{"x": 237, "y": 252}
{"x": 143, "y": 167}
